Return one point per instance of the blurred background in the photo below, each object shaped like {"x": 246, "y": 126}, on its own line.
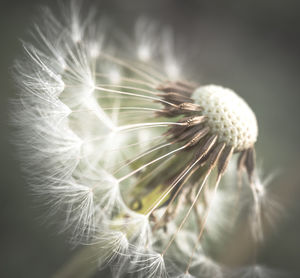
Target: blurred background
{"x": 249, "y": 46}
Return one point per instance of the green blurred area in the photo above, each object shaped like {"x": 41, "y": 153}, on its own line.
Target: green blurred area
{"x": 249, "y": 46}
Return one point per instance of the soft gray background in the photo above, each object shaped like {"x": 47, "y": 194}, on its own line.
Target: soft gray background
{"x": 250, "y": 46}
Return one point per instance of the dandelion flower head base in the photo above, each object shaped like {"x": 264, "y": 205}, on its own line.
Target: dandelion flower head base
{"x": 228, "y": 115}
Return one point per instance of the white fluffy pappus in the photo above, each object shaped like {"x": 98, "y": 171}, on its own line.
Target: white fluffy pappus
{"x": 114, "y": 145}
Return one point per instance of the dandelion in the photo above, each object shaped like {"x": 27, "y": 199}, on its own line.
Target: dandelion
{"x": 127, "y": 154}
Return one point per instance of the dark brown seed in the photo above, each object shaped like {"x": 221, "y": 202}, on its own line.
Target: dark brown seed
{"x": 215, "y": 154}
{"x": 250, "y": 162}
{"x": 206, "y": 147}
{"x": 168, "y": 112}
{"x": 192, "y": 121}
{"x": 224, "y": 159}
{"x": 182, "y": 108}
{"x": 198, "y": 136}
{"x": 241, "y": 160}
{"x": 189, "y": 107}
{"x": 176, "y": 131}
{"x": 187, "y": 134}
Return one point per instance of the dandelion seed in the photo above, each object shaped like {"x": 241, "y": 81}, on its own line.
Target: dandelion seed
{"x": 128, "y": 150}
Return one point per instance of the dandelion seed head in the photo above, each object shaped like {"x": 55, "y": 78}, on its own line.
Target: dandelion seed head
{"x": 228, "y": 115}
{"x": 126, "y": 152}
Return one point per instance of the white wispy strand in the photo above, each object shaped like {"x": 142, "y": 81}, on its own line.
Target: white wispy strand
{"x": 76, "y": 201}
{"x": 150, "y": 265}
{"x": 113, "y": 247}
{"x": 202, "y": 265}
{"x": 262, "y": 205}
{"x": 137, "y": 228}
{"x": 37, "y": 79}
{"x": 47, "y": 144}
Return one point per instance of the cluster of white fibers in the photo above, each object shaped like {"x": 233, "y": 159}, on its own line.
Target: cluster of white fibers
{"x": 86, "y": 121}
